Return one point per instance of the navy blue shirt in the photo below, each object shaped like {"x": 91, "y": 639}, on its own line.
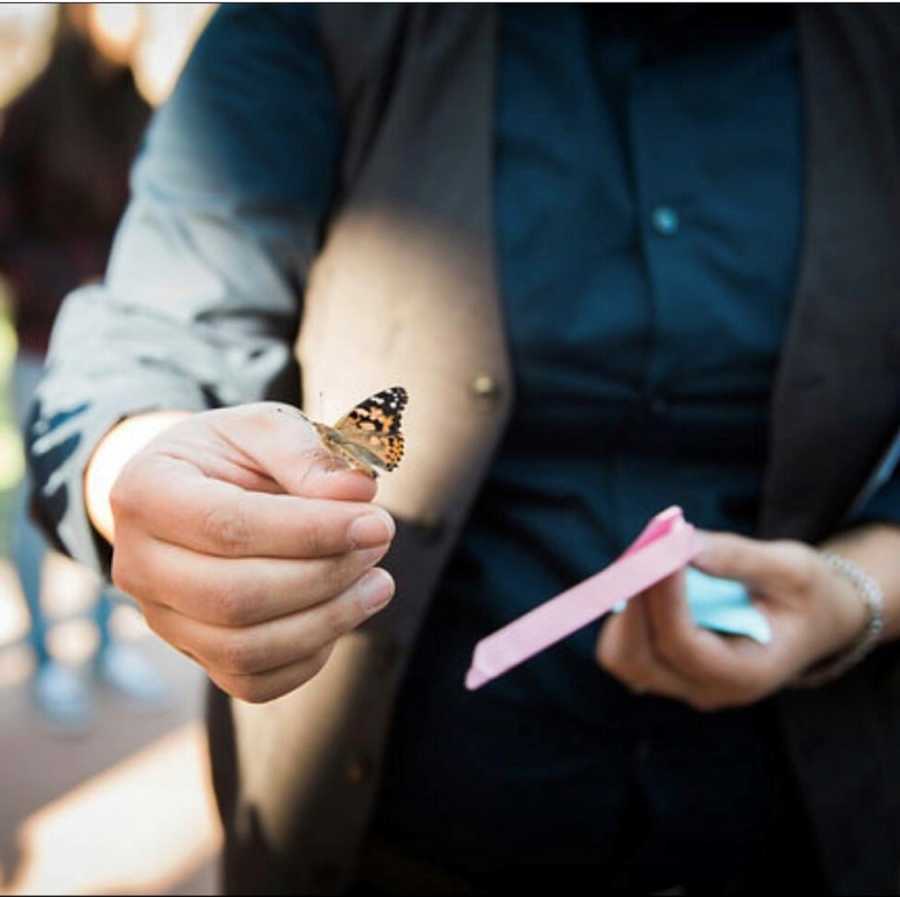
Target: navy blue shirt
{"x": 648, "y": 207}
{"x": 649, "y": 216}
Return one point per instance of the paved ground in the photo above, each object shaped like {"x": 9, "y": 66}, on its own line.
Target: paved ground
{"x": 124, "y": 809}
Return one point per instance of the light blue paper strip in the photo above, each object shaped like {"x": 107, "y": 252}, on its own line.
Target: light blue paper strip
{"x": 724, "y": 605}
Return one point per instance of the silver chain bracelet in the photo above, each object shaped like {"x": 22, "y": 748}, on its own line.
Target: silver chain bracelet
{"x": 832, "y": 668}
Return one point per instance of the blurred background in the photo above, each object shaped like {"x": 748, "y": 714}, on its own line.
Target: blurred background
{"x": 104, "y": 778}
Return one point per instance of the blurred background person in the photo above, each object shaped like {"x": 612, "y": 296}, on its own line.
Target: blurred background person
{"x": 64, "y": 798}
{"x": 66, "y": 144}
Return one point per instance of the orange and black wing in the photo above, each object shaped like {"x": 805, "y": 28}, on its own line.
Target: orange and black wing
{"x": 375, "y": 426}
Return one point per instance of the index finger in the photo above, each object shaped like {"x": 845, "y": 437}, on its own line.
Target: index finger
{"x": 696, "y": 653}
{"x": 764, "y": 566}
{"x": 219, "y": 518}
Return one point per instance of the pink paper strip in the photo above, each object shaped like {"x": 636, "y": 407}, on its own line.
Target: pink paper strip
{"x": 666, "y": 545}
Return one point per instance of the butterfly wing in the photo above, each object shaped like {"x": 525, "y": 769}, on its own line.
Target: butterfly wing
{"x": 371, "y": 431}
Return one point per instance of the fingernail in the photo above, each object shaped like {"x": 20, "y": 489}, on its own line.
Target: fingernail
{"x": 376, "y": 589}
{"x": 371, "y": 530}
{"x": 369, "y": 556}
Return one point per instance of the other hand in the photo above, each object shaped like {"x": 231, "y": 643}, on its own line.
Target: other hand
{"x": 654, "y": 646}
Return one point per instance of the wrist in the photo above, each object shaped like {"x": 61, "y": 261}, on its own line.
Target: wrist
{"x": 846, "y": 608}
{"x": 868, "y": 603}
{"x": 112, "y": 453}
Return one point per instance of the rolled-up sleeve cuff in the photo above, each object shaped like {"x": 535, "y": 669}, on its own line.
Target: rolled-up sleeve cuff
{"x": 60, "y": 444}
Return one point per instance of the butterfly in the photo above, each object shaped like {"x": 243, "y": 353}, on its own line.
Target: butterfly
{"x": 368, "y": 436}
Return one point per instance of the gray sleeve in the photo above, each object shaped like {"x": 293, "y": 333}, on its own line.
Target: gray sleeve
{"x": 200, "y": 303}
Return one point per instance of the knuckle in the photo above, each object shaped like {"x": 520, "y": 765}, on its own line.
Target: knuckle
{"x": 227, "y": 604}
{"x": 259, "y": 689}
{"x": 125, "y": 576}
{"x": 247, "y": 688}
{"x": 799, "y": 566}
{"x": 121, "y": 497}
{"x": 314, "y": 537}
{"x": 258, "y": 694}
{"x": 338, "y": 617}
{"x": 253, "y": 689}
{"x": 240, "y": 654}
{"x": 234, "y": 603}
{"x": 226, "y": 528}
{"x": 304, "y": 644}
{"x": 262, "y": 416}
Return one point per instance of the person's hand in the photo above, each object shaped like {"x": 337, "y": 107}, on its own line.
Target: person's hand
{"x": 653, "y": 646}
{"x": 247, "y": 546}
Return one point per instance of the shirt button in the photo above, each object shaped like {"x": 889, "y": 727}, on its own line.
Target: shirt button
{"x": 485, "y": 387}
{"x": 664, "y": 220}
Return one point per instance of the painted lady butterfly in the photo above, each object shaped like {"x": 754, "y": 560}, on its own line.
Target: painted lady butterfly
{"x": 369, "y": 435}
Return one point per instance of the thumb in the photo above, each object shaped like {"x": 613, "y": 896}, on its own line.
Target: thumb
{"x": 284, "y": 443}
{"x": 763, "y": 566}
